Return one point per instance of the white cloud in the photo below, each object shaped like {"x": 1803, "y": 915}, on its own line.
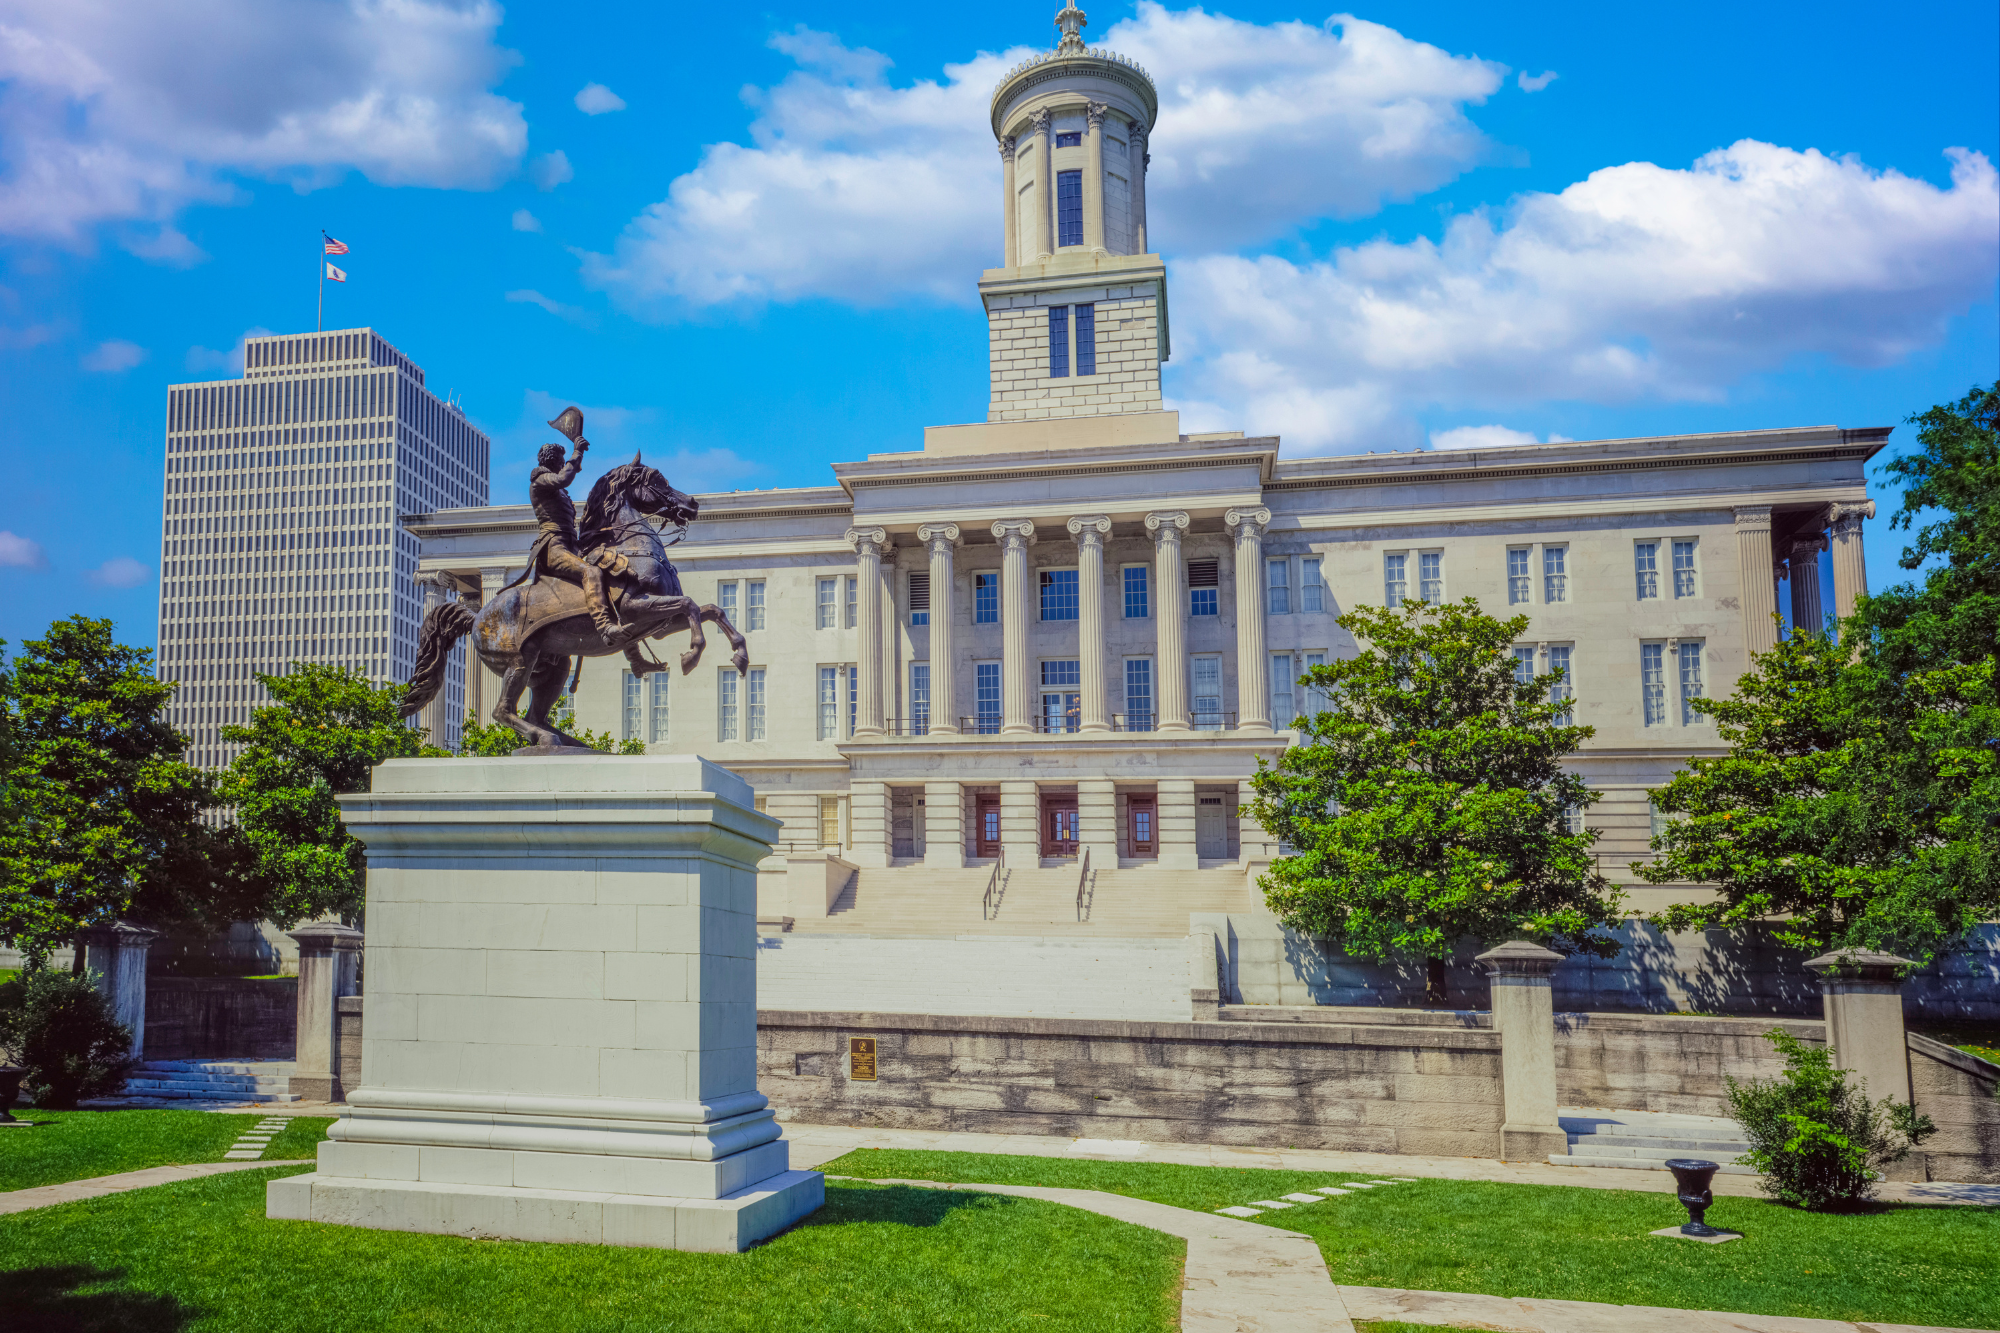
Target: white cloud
{"x": 550, "y": 170}
{"x": 529, "y": 296}
{"x": 113, "y": 356}
{"x": 228, "y": 360}
{"x": 526, "y": 221}
{"x": 18, "y": 552}
{"x": 594, "y": 99}
{"x": 1640, "y": 281}
{"x": 862, "y": 191}
{"x": 1488, "y": 437}
{"x": 121, "y": 572}
{"x": 616, "y": 433}
{"x": 1535, "y": 83}
{"x": 125, "y": 113}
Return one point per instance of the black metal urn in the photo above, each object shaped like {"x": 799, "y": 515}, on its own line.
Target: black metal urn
{"x": 10, "y": 1088}
{"x": 1691, "y": 1177}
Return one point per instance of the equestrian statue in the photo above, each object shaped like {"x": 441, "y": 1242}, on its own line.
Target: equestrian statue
{"x": 587, "y": 592}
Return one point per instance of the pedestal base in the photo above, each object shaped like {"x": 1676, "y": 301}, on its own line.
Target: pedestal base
{"x": 1532, "y": 1143}
{"x": 727, "y": 1225}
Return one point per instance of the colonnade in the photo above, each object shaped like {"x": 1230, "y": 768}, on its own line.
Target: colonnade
{"x": 1039, "y": 146}
{"x": 1762, "y": 562}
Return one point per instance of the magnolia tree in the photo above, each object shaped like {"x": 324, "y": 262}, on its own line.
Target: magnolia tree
{"x": 1427, "y": 800}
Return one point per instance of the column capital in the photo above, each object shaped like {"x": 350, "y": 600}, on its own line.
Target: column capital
{"x": 1039, "y": 122}
{"x": 864, "y": 540}
{"x": 435, "y": 578}
{"x": 1006, "y": 147}
{"x": 1751, "y": 518}
{"x": 1808, "y": 546}
{"x": 1845, "y": 519}
{"x": 1247, "y": 522}
{"x": 1090, "y": 529}
{"x": 1167, "y": 525}
{"x": 934, "y": 535}
{"x": 1094, "y": 112}
{"x": 1015, "y": 531}
{"x": 1136, "y": 131}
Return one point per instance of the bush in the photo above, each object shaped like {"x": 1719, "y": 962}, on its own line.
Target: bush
{"x": 58, "y": 1026}
{"x": 1817, "y": 1139}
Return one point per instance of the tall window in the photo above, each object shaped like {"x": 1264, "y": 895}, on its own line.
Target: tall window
{"x": 630, "y": 714}
{"x": 1058, "y": 342}
{"x": 1684, "y": 568}
{"x": 1138, "y": 592}
{"x": 726, "y": 684}
{"x": 1555, "y": 574}
{"x": 853, "y": 699}
{"x": 1206, "y": 678}
{"x": 1395, "y": 578}
{"x": 1656, "y": 818}
{"x": 1062, "y": 696}
{"x": 985, "y": 599}
{"x": 829, "y": 821}
{"x": 1277, "y": 587}
{"x": 1086, "y": 340}
{"x": 1653, "y": 682}
{"x": 1317, "y": 700}
{"x": 1560, "y": 692}
{"x": 656, "y": 707}
{"x": 853, "y": 601}
{"x": 1283, "y": 710}
{"x": 725, "y": 600}
{"x": 1517, "y": 575}
{"x": 986, "y": 698}
{"x": 1204, "y": 587}
{"x": 1069, "y": 208}
{"x": 754, "y": 709}
{"x": 920, "y": 698}
{"x": 1312, "y": 593}
{"x": 1059, "y": 594}
{"x": 1430, "y": 576}
{"x": 753, "y": 604}
{"x": 829, "y": 703}
{"x": 1138, "y": 694}
{"x": 1646, "y": 569}
{"x": 827, "y": 609}
{"x": 1524, "y": 665}
{"x": 1690, "y": 681}
{"x": 920, "y": 597}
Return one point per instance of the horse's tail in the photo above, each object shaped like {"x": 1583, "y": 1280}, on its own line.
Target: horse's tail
{"x": 447, "y": 623}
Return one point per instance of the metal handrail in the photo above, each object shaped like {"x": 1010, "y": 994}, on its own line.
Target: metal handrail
{"x": 1082, "y": 881}
{"x": 991, "y": 903}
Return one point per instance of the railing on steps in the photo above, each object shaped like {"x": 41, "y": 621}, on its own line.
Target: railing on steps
{"x": 1083, "y": 886}
{"x": 991, "y": 907}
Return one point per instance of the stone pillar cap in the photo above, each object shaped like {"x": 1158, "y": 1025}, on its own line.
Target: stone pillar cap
{"x": 328, "y": 936}
{"x": 1519, "y": 958}
{"x": 1859, "y": 965}
{"x": 121, "y": 933}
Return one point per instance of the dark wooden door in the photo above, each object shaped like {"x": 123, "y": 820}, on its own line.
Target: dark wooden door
{"x": 987, "y": 834}
{"x": 1059, "y": 834}
{"x": 1141, "y": 815}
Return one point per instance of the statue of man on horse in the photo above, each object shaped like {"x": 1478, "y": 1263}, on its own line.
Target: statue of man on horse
{"x": 624, "y": 591}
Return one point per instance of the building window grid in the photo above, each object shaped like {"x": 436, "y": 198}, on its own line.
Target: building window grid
{"x": 725, "y": 600}
{"x": 1277, "y": 587}
{"x": 1646, "y": 569}
{"x": 1086, "y": 340}
{"x": 829, "y": 703}
{"x": 1684, "y": 571}
{"x": 1561, "y": 694}
{"x": 985, "y": 599}
{"x": 1317, "y": 700}
{"x": 725, "y": 704}
{"x": 1069, "y": 208}
{"x": 1312, "y": 591}
{"x": 920, "y": 698}
{"x": 853, "y": 601}
{"x": 1430, "y": 576}
{"x": 1206, "y": 679}
{"x": 1395, "y": 578}
{"x": 753, "y": 604}
{"x": 1059, "y": 594}
{"x": 1061, "y": 704}
{"x": 656, "y": 718}
{"x": 986, "y": 697}
{"x": 829, "y": 594}
{"x": 1058, "y": 342}
{"x": 1555, "y": 574}
{"x": 1690, "y": 673}
{"x": 753, "y": 719}
{"x": 853, "y": 700}
{"x": 1283, "y": 679}
{"x": 1138, "y": 694}
{"x": 630, "y": 713}
{"x": 1524, "y": 665}
{"x": 1138, "y": 592}
{"x": 1653, "y": 683}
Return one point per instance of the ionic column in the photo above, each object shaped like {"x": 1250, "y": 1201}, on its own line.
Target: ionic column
{"x": 1015, "y": 536}
{"x": 1012, "y": 213}
{"x": 1135, "y": 145}
{"x": 1253, "y": 678}
{"x": 1807, "y": 617}
{"x": 1045, "y": 187}
{"x": 940, "y": 539}
{"x": 1170, "y": 652}
{"x": 1757, "y": 572}
{"x": 1850, "y": 572}
{"x": 869, "y": 544}
{"x": 1090, "y": 531}
{"x": 1093, "y": 175}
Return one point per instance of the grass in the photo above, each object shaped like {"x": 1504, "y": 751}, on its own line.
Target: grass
{"x": 79, "y": 1145}
{"x": 200, "y": 1255}
{"x": 1897, "y": 1264}
{"x": 1980, "y": 1039}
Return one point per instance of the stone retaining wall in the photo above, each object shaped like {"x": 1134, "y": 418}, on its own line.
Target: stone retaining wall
{"x": 213, "y": 1018}
{"x": 1956, "y": 1091}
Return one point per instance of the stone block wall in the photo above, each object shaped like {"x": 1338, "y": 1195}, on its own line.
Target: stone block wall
{"x": 215, "y": 1018}
{"x": 1388, "y": 1089}
{"x": 1128, "y": 356}
{"x": 1956, "y": 1091}
{"x": 347, "y": 1040}
{"x": 1668, "y": 1063}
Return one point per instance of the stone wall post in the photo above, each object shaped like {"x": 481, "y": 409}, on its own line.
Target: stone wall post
{"x": 115, "y": 958}
{"x": 1524, "y": 1014}
{"x": 1863, "y": 994}
{"x": 329, "y": 966}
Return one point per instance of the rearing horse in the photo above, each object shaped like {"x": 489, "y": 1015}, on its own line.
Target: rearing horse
{"x": 531, "y": 631}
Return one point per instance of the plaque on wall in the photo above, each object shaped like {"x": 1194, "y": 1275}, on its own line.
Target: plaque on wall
{"x": 861, "y": 1059}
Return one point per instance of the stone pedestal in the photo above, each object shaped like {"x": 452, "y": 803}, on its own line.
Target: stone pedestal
{"x": 1524, "y": 1015}
{"x": 115, "y": 958}
{"x": 329, "y": 966}
{"x": 1863, "y": 995}
{"x": 561, "y": 1039}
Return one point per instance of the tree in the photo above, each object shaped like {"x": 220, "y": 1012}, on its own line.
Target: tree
{"x": 103, "y": 816}
{"x": 1427, "y": 799}
{"x": 329, "y": 727}
{"x": 1857, "y": 805}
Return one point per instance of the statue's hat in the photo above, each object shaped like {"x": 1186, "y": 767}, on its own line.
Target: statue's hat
{"x": 570, "y": 423}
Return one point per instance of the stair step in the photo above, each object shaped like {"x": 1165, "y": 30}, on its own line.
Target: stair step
{"x": 1606, "y": 1142}
{"x": 1638, "y": 1163}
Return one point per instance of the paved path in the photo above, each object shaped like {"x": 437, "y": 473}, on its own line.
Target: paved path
{"x": 814, "y": 1144}
{"x": 1511, "y": 1314}
{"x": 43, "y": 1196}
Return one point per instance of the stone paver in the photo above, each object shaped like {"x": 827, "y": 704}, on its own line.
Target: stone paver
{"x": 44, "y": 1196}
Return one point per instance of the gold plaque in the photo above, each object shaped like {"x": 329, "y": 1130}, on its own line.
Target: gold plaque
{"x": 861, "y": 1059}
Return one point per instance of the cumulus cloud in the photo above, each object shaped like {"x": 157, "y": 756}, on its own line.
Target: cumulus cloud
{"x": 18, "y": 552}
{"x": 526, "y": 221}
{"x": 113, "y": 356}
{"x": 124, "y": 113}
{"x": 616, "y": 432}
{"x": 1535, "y": 83}
{"x": 121, "y": 572}
{"x": 866, "y": 191}
{"x": 1488, "y": 437}
{"x": 529, "y": 296}
{"x": 550, "y": 170}
{"x": 594, "y": 99}
{"x": 228, "y": 360}
{"x": 1638, "y": 281}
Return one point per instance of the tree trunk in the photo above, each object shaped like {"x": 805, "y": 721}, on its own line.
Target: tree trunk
{"x": 76, "y": 958}
{"x": 1434, "y": 992}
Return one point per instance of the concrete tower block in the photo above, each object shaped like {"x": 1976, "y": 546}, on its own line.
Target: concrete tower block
{"x": 562, "y": 1010}
{"x": 1524, "y": 1015}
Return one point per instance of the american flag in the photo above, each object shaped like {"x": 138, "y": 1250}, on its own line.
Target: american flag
{"x": 334, "y": 247}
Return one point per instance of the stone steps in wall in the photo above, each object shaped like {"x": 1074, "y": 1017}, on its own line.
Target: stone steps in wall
{"x": 211, "y": 1080}
{"x": 1129, "y": 903}
{"x": 1648, "y": 1139}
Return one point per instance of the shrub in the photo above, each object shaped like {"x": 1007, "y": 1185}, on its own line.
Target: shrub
{"x": 1816, "y": 1137}
{"x": 58, "y": 1026}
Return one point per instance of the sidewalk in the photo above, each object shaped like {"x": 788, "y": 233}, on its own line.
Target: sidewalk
{"x": 46, "y": 1196}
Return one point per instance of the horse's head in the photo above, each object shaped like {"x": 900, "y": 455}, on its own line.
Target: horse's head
{"x": 643, "y": 489}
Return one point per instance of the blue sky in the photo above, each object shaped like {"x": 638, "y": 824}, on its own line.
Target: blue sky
{"x": 754, "y": 253}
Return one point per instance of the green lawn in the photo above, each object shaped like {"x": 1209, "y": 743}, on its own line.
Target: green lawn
{"x": 77, "y": 1145}
{"x": 1894, "y": 1264}
{"x": 200, "y": 1255}
{"x": 1980, "y": 1039}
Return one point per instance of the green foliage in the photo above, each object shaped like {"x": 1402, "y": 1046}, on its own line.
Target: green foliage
{"x": 493, "y": 739}
{"x": 1428, "y": 801}
{"x": 102, "y": 818}
{"x": 1859, "y": 804}
{"x": 1817, "y": 1139}
{"x": 329, "y": 727}
{"x": 58, "y": 1026}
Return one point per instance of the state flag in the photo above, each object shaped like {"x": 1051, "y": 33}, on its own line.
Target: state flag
{"x": 336, "y": 274}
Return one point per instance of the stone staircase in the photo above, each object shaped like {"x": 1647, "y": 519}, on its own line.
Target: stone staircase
{"x": 1131, "y": 903}
{"x": 1644, "y": 1140}
{"x": 212, "y": 1080}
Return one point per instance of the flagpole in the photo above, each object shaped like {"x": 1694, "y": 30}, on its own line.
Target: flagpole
{"x": 319, "y": 319}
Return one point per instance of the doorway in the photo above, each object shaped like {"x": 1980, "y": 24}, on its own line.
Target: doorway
{"x": 1142, "y": 838}
{"x": 986, "y": 826}
{"x": 1059, "y": 827}
{"x": 1211, "y": 828}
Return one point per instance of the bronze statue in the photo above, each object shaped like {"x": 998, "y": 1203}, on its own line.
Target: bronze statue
{"x": 534, "y": 629}
{"x": 555, "y": 550}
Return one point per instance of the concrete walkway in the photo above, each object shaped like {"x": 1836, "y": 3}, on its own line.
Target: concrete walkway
{"x": 1512, "y": 1314}
{"x": 44, "y": 1196}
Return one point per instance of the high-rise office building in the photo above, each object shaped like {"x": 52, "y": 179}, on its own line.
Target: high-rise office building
{"x": 279, "y": 536}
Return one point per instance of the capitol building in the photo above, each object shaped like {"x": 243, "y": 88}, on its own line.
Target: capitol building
{"x": 1058, "y": 642}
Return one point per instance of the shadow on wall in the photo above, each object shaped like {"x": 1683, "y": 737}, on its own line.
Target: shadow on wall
{"x": 246, "y": 949}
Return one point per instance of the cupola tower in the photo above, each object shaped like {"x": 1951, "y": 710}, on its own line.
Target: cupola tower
{"x": 1077, "y": 311}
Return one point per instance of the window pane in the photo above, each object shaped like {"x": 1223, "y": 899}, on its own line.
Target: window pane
{"x": 755, "y": 719}
{"x": 1316, "y": 700}
{"x": 985, "y": 599}
{"x": 1282, "y": 680}
{"x": 1277, "y": 591}
{"x": 725, "y": 600}
{"x": 1059, "y": 594}
{"x": 1207, "y": 693}
{"x": 920, "y": 698}
{"x": 1137, "y": 593}
{"x": 1517, "y": 577}
{"x": 920, "y": 597}
{"x": 986, "y": 697}
{"x": 853, "y": 698}
{"x": 1312, "y": 594}
{"x": 1560, "y": 692}
{"x": 1086, "y": 340}
{"x": 1069, "y": 208}
{"x": 1524, "y": 665}
{"x": 1555, "y": 573}
{"x": 725, "y": 704}
{"x": 829, "y": 702}
{"x": 1653, "y": 682}
{"x": 1690, "y": 682}
{"x": 1058, "y": 342}
{"x": 853, "y": 603}
{"x": 1684, "y": 569}
{"x": 1646, "y": 569}
{"x": 1202, "y": 602}
{"x": 656, "y": 703}
{"x": 754, "y": 603}
{"x": 1430, "y": 577}
{"x": 1070, "y": 139}
{"x": 828, "y": 590}
{"x": 1395, "y": 579}
{"x": 629, "y": 729}
{"x": 1138, "y": 694}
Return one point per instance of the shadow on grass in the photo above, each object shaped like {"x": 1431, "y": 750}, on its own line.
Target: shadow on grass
{"x": 47, "y": 1300}
{"x": 897, "y": 1205}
